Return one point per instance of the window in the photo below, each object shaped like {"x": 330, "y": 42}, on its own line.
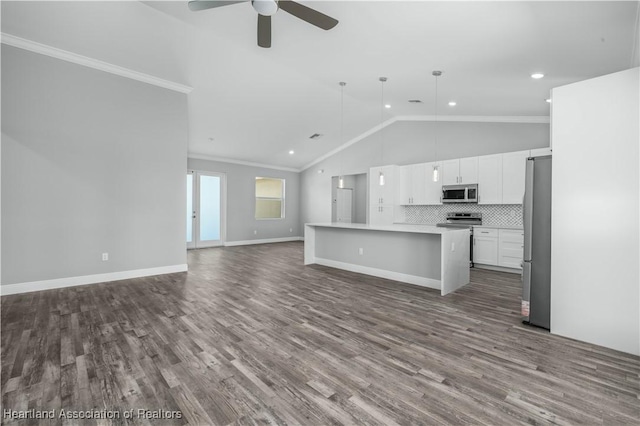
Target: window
{"x": 269, "y": 198}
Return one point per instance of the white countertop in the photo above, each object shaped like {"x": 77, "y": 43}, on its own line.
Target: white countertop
{"x": 398, "y": 227}
{"x": 518, "y": 228}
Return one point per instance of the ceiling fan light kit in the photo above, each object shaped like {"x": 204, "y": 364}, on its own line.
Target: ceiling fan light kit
{"x": 265, "y": 7}
{"x": 268, "y": 8}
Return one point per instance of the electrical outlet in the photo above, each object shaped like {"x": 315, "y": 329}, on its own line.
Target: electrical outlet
{"x": 290, "y": 229}
{"x": 255, "y": 232}
{"x": 360, "y": 251}
{"x": 453, "y": 246}
{"x": 105, "y": 257}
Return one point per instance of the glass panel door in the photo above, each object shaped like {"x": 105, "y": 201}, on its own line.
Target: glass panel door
{"x": 205, "y": 209}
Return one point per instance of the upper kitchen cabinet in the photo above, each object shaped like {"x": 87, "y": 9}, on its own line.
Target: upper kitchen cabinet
{"x": 460, "y": 171}
{"x": 513, "y": 171}
{"x": 412, "y": 181}
{"x": 490, "y": 179}
{"x": 382, "y": 194}
{"x": 382, "y": 185}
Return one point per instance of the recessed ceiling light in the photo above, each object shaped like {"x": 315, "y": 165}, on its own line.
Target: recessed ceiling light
{"x": 452, "y": 103}
{"x": 387, "y": 106}
{"x": 291, "y": 152}
{"x": 548, "y": 100}
{"x": 321, "y": 171}
{"x": 537, "y": 75}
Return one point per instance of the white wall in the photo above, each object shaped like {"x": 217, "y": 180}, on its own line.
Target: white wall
{"x": 91, "y": 163}
{"x": 410, "y": 142}
{"x": 241, "y": 221}
{"x": 595, "y": 275}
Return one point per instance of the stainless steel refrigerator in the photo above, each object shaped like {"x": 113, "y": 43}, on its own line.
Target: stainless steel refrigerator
{"x": 536, "y": 270}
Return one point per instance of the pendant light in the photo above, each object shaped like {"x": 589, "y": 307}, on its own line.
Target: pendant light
{"x": 341, "y": 177}
{"x": 436, "y": 171}
{"x": 381, "y": 174}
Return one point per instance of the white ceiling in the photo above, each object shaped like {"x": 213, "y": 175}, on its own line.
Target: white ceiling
{"x": 257, "y": 104}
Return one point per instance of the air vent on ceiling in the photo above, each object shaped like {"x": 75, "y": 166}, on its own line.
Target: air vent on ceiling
{"x": 415, "y": 101}
{"x": 315, "y": 136}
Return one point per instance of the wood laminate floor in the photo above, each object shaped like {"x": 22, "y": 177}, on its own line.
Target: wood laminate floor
{"x": 251, "y": 336}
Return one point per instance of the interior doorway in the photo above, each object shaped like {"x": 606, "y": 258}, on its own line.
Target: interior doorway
{"x": 350, "y": 200}
{"x": 205, "y": 214}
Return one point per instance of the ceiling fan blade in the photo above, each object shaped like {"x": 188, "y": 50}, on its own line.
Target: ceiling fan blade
{"x": 196, "y": 5}
{"x": 264, "y": 31}
{"x": 307, "y": 14}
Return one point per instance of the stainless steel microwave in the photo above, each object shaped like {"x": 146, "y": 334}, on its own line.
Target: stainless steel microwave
{"x": 460, "y": 193}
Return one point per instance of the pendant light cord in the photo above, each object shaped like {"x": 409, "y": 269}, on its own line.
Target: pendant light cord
{"x": 341, "y": 176}
{"x": 382, "y": 81}
{"x": 435, "y": 132}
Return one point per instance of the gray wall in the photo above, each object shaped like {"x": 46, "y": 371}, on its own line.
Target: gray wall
{"x": 410, "y": 142}
{"x": 91, "y": 163}
{"x": 241, "y": 222}
{"x": 360, "y": 187}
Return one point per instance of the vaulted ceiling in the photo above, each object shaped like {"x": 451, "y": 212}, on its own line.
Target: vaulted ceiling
{"x": 253, "y": 104}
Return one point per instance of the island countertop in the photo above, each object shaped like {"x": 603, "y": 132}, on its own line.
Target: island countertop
{"x": 398, "y": 227}
{"x": 423, "y": 255}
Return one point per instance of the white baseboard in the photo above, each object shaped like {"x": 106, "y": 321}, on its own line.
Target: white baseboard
{"x": 88, "y": 279}
{"x": 264, "y": 241}
{"x": 390, "y": 275}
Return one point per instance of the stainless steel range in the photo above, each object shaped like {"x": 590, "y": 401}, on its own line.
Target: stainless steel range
{"x": 464, "y": 220}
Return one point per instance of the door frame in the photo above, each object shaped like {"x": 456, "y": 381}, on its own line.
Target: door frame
{"x": 195, "y": 239}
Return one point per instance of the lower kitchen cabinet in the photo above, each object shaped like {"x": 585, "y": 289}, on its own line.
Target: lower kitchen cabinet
{"x": 498, "y": 247}
{"x": 485, "y": 246}
{"x": 511, "y": 248}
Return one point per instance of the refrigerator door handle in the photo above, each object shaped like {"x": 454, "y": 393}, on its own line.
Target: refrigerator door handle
{"x": 526, "y": 291}
{"x": 527, "y": 209}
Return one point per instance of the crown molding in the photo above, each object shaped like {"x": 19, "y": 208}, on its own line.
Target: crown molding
{"x": 460, "y": 118}
{"x": 64, "y": 55}
{"x": 198, "y": 156}
{"x": 522, "y": 119}
{"x": 351, "y": 142}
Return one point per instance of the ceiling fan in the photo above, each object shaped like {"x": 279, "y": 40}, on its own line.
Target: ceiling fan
{"x": 267, "y": 8}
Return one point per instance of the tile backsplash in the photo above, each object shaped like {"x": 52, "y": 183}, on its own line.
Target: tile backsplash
{"x": 492, "y": 214}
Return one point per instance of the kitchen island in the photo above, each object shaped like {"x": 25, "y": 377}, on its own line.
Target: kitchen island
{"x": 423, "y": 255}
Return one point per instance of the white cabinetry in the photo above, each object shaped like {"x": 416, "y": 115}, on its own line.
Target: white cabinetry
{"x": 381, "y": 185}
{"x": 498, "y": 247}
{"x": 513, "y": 171}
{"x": 490, "y": 179}
{"x": 412, "y": 181}
{"x": 450, "y": 172}
{"x": 382, "y": 195}
{"x": 485, "y": 246}
{"x": 460, "y": 171}
{"x": 510, "y": 248}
